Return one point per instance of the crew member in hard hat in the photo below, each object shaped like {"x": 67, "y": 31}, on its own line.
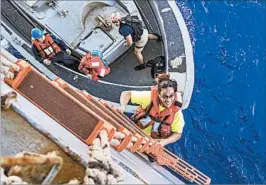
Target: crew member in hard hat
{"x": 159, "y": 113}
{"x": 47, "y": 48}
{"x": 132, "y": 30}
{"x": 93, "y": 65}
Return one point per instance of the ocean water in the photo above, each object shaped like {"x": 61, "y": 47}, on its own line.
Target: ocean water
{"x": 224, "y": 136}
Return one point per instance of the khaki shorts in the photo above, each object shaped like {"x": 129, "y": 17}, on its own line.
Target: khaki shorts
{"x": 143, "y": 41}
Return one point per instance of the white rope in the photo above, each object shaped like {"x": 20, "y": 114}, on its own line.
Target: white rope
{"x": 6, "y": 65}
{"x": 101, "y": 169}
{"x": 5, "y": 180}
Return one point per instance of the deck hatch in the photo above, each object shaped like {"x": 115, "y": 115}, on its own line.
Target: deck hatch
{"x": 98, "y": 40}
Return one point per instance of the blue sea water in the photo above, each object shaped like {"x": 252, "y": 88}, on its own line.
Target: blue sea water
{"x": 224, "y": 136}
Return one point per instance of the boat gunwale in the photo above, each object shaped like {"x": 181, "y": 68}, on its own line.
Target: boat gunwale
{"x": 188, "y": 49}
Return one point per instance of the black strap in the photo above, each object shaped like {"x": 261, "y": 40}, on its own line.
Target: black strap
{"x": 139, "y": 47}
{"x": 148, "y": 109}
{"x": 153, "y": 118}
{"x": 179, "y": 104}
{"x": 162, "y": 123}
{"x": 146, "y": 113}
{"x": 164, "y": 120}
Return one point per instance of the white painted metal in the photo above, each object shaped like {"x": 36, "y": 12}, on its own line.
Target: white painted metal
{"x": 189, "y": 81}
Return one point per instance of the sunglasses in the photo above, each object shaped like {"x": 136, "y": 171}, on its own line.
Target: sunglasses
{"x": 115, "y": 22}
{"x": 156, "y": 75}
{"x": 166, "y": 97}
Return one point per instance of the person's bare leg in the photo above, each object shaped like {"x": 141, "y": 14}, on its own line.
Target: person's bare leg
{"x": 139, "y": 56}
{"x": 152, "y": 37}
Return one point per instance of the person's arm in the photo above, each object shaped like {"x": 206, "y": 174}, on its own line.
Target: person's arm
{"x": 59, "y": 42}
{"x": 171, "y": 139}
{"x": 36, "y": 54}
{"x": 176, "y": 128}
{"x": 124, "y": 99}
{"x": 126, "y": 32}
{"x": 129, "y": 41}
{"x": 82, "y": 68}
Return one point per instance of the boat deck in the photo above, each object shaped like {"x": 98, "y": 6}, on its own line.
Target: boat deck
{"x": 123, "y": 76}
{"x": 122, "y": 70}
{"x": 125, "y": 66}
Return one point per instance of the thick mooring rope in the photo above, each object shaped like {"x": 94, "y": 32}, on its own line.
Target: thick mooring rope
{"x": 25, "y": 159}
{"x": 101, "y": 169}
{"x": 5, "y": 180}
{"x": 6, "y": 65}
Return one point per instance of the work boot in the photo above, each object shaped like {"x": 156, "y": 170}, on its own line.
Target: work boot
{"x": 159, "y": 37}
{"x": 151, "y": 159}
{"x": 140, "y": 67}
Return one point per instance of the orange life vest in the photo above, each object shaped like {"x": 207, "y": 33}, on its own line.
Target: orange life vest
{"x": 48, "y": 48}
{"x": 165, "y": 118}
{"x": 94, "y": 66}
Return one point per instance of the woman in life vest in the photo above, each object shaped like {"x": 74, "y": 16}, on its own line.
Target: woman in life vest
{"x": 162, "y": 76}
{"x": 93, "y": 66}
{"x": 46, "y": 48}
{"x": 159, "y": 113}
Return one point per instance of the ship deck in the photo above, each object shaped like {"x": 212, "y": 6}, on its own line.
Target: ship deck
{"x": 28, "y": 128}
{"x": 17, "y": 135}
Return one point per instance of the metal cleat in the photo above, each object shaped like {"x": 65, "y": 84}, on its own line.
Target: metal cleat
{"x": 53, "y": 4}
{"x": 104, "y": 24}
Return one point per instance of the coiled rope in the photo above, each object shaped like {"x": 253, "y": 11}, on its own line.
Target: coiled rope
{"x": 6, "y": 65}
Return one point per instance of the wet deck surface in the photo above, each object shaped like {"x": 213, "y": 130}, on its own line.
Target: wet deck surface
{"x": 18, "y": 135}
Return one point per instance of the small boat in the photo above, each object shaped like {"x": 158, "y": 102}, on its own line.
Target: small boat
{"x": 87, "y": 28}
{"x": 84, "y": 22}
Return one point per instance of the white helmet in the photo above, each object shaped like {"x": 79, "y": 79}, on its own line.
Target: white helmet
{"x": 116, "y": 16}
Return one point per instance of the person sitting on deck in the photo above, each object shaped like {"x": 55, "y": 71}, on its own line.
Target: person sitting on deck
{"x": 92, "y": 65}
{"x": 47, "y": 48}
{"x": 159, "y": 114}
{"x": 131, "y": 29}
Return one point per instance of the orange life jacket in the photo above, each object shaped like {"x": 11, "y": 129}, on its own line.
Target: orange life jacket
{"x": 94, "y": 66}
{"x": 48, "y": 48}
{"x": 165, "y": 118}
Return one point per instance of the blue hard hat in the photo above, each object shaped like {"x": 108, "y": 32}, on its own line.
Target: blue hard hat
{"x": 97, "y": 53}
{"x": 36, "y": 33}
